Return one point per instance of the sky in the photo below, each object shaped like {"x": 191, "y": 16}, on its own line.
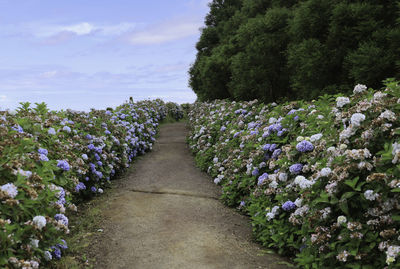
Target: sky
{"x": 83, "y": 54}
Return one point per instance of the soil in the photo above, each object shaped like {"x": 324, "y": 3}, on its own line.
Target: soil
{"x": 165, "y": 213}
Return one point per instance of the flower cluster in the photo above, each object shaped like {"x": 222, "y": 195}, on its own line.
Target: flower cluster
{"x": 50, "y": 159}
{"x": 319, "y": 179}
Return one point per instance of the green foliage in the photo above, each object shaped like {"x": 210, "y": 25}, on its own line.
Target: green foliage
{"x": 273, "y": 49}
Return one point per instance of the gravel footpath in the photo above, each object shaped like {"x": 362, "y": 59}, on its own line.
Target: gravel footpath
{"x": 165, "y": 214}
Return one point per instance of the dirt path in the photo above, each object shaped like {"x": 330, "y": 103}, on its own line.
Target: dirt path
{"x": 166, "y": 214}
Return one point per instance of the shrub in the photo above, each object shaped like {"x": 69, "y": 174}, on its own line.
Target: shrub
{"x": 319, "y": 179}
{"x": 51, "y": 160}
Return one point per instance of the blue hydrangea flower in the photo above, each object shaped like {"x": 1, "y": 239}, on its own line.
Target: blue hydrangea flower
{"x": 255, "y": 172}
{"x": 43, "y": 158}
{"x": 99, "y": 163}
{"x": 43, "y": 151}
{"x": 88, "y": 137}
{"x": 296, "y": 168}
{"x": 97, "y": 157}
{"x": 304, "y": 146}
{"x": 80, "y": 186}
{"x": 223, "y": 128}
{"x": 266, "y": 147}
{"x": 67, "y": 129}
{"x": 288, "y": 205}
{"x": 62, "y": 245}
{"x": 273, "y": 147}
{"x": 18, "y": 129}
{"x": 91, "y": 147}
{"x": 56, "y": 252}
{"x": 61, "y": 218}
{"x": 63, "y": 165}
{"x": 262, "y": 178}
{"x": 107, "y": 132}
{"x": 93, "y": 189}
{"x": 276, "y": 153}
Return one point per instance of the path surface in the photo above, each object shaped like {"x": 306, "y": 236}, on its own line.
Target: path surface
{"x": 166, "y": 214}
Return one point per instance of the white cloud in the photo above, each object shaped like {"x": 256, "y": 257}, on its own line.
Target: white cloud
{"x": 41, "y": 30}
{"x": 166, "y": 32}
{"x": 49, "y": 74}
{"x": 83, "y": 28}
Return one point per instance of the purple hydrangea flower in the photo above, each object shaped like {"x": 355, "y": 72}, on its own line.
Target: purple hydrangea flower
{"x": 223, "y": 128}
{"x": 97, "y": 157}
{"x": 288, "y": 205}
{"x": 273, "y": 147}
{"x": 99, "y": 163}
{"x": 43, "y": 151}
{"x": 304, "y": 146}
{"x": 107, "y": 132}
{"x": 295, "y": 168}
{"x": 63, "y": 165}
{"x": 262, "y": 178}
{"x": 61, "y": 218}
{"x": 99, "y": 174}
{"x": 296, "y": 118}
{"x": 91, "y": 147}
{"x": 18, "y": 129}
{"x": 88, "y": 137}
{"x": 56, "y": 252}
{"x": 43, "y": 158}
{"x": 276, "y": 153}
{"x": 266, "y": 147}
{"x": 62, "y": 245}
{"x": 80, "y": 186}
{"x": 255, "y": 172}
{"x": 93, "y": 189}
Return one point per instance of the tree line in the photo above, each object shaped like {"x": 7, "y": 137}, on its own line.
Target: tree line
{"x": 291, "y": 49}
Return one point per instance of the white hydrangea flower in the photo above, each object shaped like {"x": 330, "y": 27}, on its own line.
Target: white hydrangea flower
{"x": 370, "y": 195}
{"x": 47, "y": 255}
{"x": 51, "y": 131}
{"x": 341, "y": 219}
{"x": 299, "y": 138}
{"x": 282, "y": 177}
{"x": 359, "y": 88}
{"x": 391, "y": 253}
{"x": 298, "y": 202}
{"x": 326, "y": 171}
{"x": 34, "y": 242}
{"x": 342, "y": 101}
{"x": 10, "y": 189}
{"x": 315, "y": 137}
{"x": 395, "y": 152}
{"x": 270, "y": 215}
{"x": 389, "y": 115}
{"x": 39, "y": 221}
{"x": 302, "y": 182}
{"x": 357, "y": 118}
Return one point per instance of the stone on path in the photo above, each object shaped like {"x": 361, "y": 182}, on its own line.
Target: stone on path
{"x": 166, "y": 214}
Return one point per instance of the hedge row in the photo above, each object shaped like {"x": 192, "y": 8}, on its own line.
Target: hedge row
{"x": 52, "y": 160}
{"x": 320, "y": 179}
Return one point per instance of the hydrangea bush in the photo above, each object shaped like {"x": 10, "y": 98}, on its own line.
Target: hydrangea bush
{"x": 52, "y": 160}
{"x": 320, "y": 179}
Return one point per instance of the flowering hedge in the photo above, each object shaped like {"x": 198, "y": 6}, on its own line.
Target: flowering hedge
{"x": 320, "y": 179}
{"x": 51, "y": 160}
